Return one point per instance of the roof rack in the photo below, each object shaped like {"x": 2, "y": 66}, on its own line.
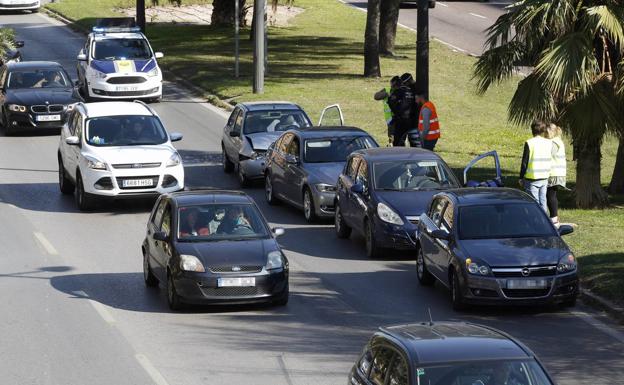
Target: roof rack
{"x": 150, "y": 109}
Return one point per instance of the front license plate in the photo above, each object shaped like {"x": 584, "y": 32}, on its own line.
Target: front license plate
{"x": 137, "y": 183}
{"x": 236, "y": 282}
{"x": 126, "y": 88}
{"x": 48, "y": 118}
{"x": 526, "y": 284}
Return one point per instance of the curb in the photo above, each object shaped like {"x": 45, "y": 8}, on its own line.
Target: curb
{"x": 599, "y": 302}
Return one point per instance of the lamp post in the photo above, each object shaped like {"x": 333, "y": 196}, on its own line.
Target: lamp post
{"x": 140, "y": 14}
{"x": 422, "y": 46}
{"x": 259, "y": 46}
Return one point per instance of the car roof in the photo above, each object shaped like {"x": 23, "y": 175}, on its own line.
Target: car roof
{"x": 33, "y": 65}
{"x": 100, "y": 109}
{"x": 438, "y": 342}
{"x": 270, "y": 105}
{"x": 117, "y": 35}
{"x": 207, "y": 196}
{"x": 397, "y": 153}
{"x": 329, "y": 131}
{"x": 486, "y": 195}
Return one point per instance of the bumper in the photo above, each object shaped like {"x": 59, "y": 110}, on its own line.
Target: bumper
{"x": 324, "y": 203}
{"x": 110, "y": 183}
{"x": 151, "y": 87}
{"x": 493, "y": 291}
{"x": 253, "y": 168}
{"x": 28, "y": 121}
{"x": 25, "y": 5}
{"x": 395, "y": 237}
{"x": 201, "y": 288}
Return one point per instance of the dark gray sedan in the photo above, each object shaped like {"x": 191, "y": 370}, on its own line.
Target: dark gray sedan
{"x": 303, "y": 165}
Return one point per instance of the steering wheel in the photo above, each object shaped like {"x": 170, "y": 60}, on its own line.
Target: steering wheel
{"x": 424, "y": 181}
{"x": 286, "y": 128}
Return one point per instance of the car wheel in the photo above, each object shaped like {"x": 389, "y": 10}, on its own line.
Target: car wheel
{"x": 85, "y": 92}
{"x": 457, "y": 298}
{"x": 228, "y": 166}
{"x": 424, "y": 276}
{"x": 65, "y": 184}
{"x": 569, "y": 303}
{"x": 242, "y": 179}
{"x": 309, "y": 211}
{"x": 268, "y": 191}
{"x": 84, "y": 201}
{"x": 173, "y": 299}
{"x": 149, "y": 277}
{"x": 343, "y": 231}
{"x": 372, "y": 250}
{"x": 282, "y": 300}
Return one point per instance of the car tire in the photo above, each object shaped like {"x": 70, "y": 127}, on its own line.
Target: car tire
{"x": 155, "y": 100}
{"x": 372, "y": 250}
{"x": 457, "y": 298}
{"x": 173, "y": 299}
{"x": 569, "y": 303}
{"x": 282, "y": 300}
{"x": 148, "y": 277}
{"x": 309, "y": 208}
{"x": 66, "y": 186}
{"x": 425, "y": 278}
{"x": 242, "y": 179}
{"x": 84, "y": 201}
{"x": 343, "y": 231}
{"x": 228, "y": 166}
{"x": 268, "y": 191}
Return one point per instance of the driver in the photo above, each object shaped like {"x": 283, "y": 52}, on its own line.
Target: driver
{"x": 137, "y": 131}
{"x": 189, "y": 225}
{"x": 503, "y": 375}
{"x": 233, "y": 218}
{"x": 50, "y": 79}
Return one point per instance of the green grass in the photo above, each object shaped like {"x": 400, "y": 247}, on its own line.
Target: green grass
{"x": 318, "y": 61}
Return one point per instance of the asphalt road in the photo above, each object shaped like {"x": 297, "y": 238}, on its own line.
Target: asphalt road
{"x": 75, "y": 310}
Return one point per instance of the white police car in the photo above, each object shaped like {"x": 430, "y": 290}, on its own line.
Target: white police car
{"x": 20, "y": 5}
{"x": 119, "y": 63}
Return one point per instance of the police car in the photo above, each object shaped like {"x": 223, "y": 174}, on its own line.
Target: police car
{"x": 117, "y": 62}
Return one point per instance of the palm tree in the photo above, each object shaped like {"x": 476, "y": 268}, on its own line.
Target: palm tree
{"x": 572, "y": 49}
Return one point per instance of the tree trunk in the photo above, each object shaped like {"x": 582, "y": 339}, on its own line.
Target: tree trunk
{"x": 388, "y": 21}
{"x": 589, "y": 191}
{"x": 371, "y": 41}
{"x": 617, "y": 180}
{"x": 222, "y": 12}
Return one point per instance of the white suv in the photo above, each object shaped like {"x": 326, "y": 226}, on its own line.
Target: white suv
{"x": 117, "y": 150}
{"x": 20, "y": 5}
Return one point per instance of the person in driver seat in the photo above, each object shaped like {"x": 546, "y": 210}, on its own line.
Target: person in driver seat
{"x": 50, "y": 79}
{"x": 189, "y": 224}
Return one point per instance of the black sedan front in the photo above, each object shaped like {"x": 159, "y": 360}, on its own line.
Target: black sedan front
{"x": 35, "y": 95}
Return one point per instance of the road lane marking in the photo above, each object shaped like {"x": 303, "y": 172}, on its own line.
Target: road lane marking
{"x": 101, "y": 309}
{"x": 282, "y": 365}
{"x": 619, "y": 336}
{"x": 43, "y": 241}
{"x": 477, "y": 15}
{"x": 151, "y": 369}
{"x": 442, "y": 4}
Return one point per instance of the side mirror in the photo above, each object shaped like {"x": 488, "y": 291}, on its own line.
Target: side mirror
{"x": 19, "y": 44}
{"x": 77, "y": 83}
{"x": 72, "y": 140}
{"x": 441, "y": 234}
{"x": 357, "y": 188}
{"x": 292, "y": 159}
{"x": 565, "y": 229}
{"x": 278, "y": 231}
{"x": 81, "y": 57}
{"x": 175, "y": 136}
{"x": 234, "y": 134}
{"x": 160, "y": 236}
{"x": 158, "y": 55}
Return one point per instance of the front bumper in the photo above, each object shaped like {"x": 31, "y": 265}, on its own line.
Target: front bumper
{"x": 324, "y": 203}
{"x": 397, "y": 237}
{"x": 201, "y": 288}
{"x": 109, "y": 183}
{"x": 25, "y": 5}
{"x": 137, "y": 85}
{"x": 28, "y": 120}
{"x": 253, "y": 168}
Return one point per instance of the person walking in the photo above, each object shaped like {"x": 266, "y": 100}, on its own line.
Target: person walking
{"x": 557, "y": 177}
{"x": 384, "y": 95}
{"x": 402, "y": 102}
{"x": 428, "y": 123}
{"x": 536, "y": 163}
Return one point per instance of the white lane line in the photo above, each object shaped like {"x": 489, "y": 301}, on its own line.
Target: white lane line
{"x": 442, "y": 4}
{"x": 619, "y": 336}
{"x": 477, "y": 15}
{"x": 151, "y": 369}
{"x": 43, "y": 241}
{"x": 101, "y": 309}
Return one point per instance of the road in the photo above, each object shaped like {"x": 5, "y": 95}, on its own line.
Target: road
{"x": 458, "y": 24}
{"x": 75, "y": 310}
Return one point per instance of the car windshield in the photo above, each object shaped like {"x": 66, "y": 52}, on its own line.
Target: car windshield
{"x": 220, "y": 222}
{"x": 274, "y": 120}
{"x": 122, "y": 49}
{"x": 128, "y": 130}
{"x": 334, "y": 149}
{"x": 506, "y": 220}
{"x": 413, "y": 175}
{"x": 503, "y": 372}
{"x": 48, "y": 78}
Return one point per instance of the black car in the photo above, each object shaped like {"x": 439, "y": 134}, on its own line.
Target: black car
{"x": 495, "y": 246}
{"x": 35, "y": 95}
{"x": 446, "y": 353}
{"x": 303, "y": 165}
{"x": 382, "y": 192}
{"x": 213, "y": 247}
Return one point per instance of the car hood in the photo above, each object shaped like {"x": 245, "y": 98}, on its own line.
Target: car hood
{"x": 262, "y": 140}
{"x": 324, "y": 172}
{"x": 407, "y": 203}
{"x": 230, "y": 253}
{"x": 516, "y": 252}
{"x": 134, "y": 154}
{"x": 29, "y": 97}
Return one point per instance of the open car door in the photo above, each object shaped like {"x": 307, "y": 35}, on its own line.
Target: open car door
{"x": 331, "y": 116}
{"x": 496, "y": 182}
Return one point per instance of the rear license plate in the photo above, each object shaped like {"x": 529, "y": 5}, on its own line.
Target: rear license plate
{"x": 236, "y": 282}
{"x": 48, "y": 118}
{"x": 526, "y": 284}
{"x": 126, "y": 88}
{"x": 137, "y": 183}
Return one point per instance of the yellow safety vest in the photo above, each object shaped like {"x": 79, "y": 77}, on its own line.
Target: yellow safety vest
{"x": 386, "y": 107}
{"x": 540, "y": 158}
{"x": 559, "y": 160}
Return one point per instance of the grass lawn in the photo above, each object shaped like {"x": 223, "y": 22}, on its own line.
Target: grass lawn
{"x": 318, "y": 61}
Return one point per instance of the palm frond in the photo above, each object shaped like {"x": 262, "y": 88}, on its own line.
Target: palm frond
{"x": 608, "y": 18}
{"x": 496, "y": 65}
{"x": 532, "y": 101}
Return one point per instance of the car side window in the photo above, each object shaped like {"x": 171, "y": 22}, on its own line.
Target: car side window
{"x": 165, "y": 226}
{"x": 3, "y": 76}
{"x": 398, "y": 374}
{"x": 362, "y": 173}
{"x": 436, "y": 211}
{"x": 447, "y": 218}
{"x": 351, "y": 168}
{"x": 238, "y": 125}
{"x": 381, "y": 363}
{"x": 283, "y": 144}
{"x": 365, "y": 362}
{"x": 77, "y": 126}
{"x": 293, "y": 147}
{"x": 158, "y": 213}
{"x": 232, "y": 118}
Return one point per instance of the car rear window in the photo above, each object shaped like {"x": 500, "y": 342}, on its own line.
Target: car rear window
{"x": 335, "y": 149}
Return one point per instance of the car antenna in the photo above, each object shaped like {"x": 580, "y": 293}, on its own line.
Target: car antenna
{"x": 430, "y": 317}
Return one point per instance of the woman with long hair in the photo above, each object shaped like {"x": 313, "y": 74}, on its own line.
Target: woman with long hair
{"x": 557, "y": 178}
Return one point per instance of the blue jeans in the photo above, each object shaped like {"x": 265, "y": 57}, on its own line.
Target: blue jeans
{"x": 537, "y": 188}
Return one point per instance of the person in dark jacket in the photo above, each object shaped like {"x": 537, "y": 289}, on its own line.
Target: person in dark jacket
{"x": 402, "y": 102}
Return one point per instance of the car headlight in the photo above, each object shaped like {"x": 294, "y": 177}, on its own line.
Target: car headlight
{"x": 70, "y": 107}
{"x": 477, "y": 269}
{"x": 17, "y": 108}
{"x": 99, "y": 75}
{"x": 191, "y": 263}
{"x": 388, "y": 215}
{"x": 566, "y": 264}
{"x": 275, "y": 260}
{"x": 175, "y": 160}
{"x": 324, "y": 187}
{"x": 153, "y": 72}
{"x": 94, "y": 163}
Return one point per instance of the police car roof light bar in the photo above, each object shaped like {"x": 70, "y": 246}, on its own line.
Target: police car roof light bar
{"x": 116, "y": 24}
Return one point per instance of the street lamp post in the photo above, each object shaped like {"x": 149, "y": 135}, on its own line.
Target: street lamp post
{"x": 140, "y": 14}
{"x": 259, "y": 46}
{"x": 422, "y": 46}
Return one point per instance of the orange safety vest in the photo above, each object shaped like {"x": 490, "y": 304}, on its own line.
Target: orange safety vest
{"x": 434, "y": 124}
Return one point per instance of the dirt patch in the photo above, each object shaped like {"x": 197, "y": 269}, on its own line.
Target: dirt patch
{"x": 200, "y": 14}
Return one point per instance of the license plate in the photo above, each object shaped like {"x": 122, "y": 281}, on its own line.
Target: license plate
{"x": 236, "y": 282}
{"x": 137, "y": 183}
{"x": 526, "y": 284}
{"x": 48, "y": 118}
{"x": 125, "y": 88}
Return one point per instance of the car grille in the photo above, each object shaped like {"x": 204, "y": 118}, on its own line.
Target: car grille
{"x": 243, "y": 269}
{"x": 413, "y": 219}
{"x": 154, "y": 179}
{"x": 44, "y": 109}
{"x": 537, "y": 271}
{"x": 525, "y": 293}
{"x": 126, "y": 80}
{"x": 234, "y": 291}
{"x": 136, "y": 165}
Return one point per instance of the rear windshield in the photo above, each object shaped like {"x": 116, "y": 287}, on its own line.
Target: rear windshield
{"x": 122, "y": 49}
{"x": 274, "y": 120}
{"x": 125, "y": 131}
{"x": 413, "y": 175}
{"x": 507, "y": 220}
{"x": 335, "y": 149}
{"x": 218, "y": 222}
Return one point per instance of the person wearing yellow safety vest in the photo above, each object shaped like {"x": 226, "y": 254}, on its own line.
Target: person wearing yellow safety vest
{"x": 536, "y": 163}
{"x": 384, "y": 95}
{"x": 557, "y": 177}
{"x": 428, "y": 123}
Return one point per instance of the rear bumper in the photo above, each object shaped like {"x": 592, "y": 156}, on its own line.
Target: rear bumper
{"x": 253, "y": 168}
{"x": 324, "y": 203}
